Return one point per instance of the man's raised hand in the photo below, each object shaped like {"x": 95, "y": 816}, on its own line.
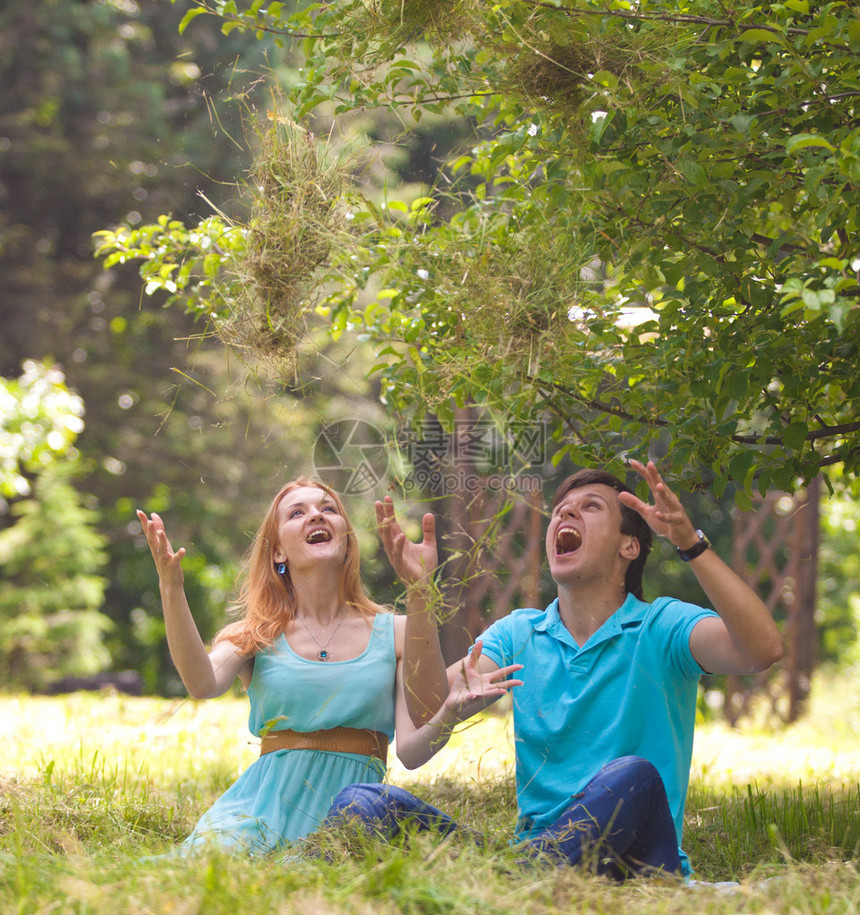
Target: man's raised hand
{"x": 666, "y": 517}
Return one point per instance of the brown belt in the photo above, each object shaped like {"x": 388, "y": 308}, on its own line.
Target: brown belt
{"x": 335, "y": 740}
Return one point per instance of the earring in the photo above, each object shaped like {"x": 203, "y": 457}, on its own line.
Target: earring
{"x": 281, "y": 568}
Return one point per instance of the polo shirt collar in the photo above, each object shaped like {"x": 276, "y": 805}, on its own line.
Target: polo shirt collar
{"x": 632, "y": 610}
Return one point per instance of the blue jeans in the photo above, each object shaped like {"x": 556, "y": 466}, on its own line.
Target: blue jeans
{"x": 620, "y": 821}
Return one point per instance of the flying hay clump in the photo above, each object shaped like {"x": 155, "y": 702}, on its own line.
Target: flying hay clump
{"x": 373, "y": 32}
{"x": 561, "y": 60}
{"x": 298, "y": 216}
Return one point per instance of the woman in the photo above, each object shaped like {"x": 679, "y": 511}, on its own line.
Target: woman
{"x": 329, "y": 673}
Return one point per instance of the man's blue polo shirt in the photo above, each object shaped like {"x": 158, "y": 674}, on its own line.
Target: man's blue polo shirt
{"x": 629, "y": 691}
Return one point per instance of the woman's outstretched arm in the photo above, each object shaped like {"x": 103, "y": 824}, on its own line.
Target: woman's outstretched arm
{"x": 476, "y": 682}
{"x": 205, "y": 675}
{"x": 424, "y": 677}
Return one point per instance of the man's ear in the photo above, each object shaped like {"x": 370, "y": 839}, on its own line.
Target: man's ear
{"x": 630, "y": 547}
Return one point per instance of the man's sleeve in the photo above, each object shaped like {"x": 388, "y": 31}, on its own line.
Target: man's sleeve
{"x": 497, "y": 641}
{"x": 675, "y": 621}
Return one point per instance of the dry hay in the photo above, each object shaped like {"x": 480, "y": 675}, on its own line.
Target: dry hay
{"x": 374, "y": 31}
{"x": 298, "y": 216}
{"x": 436, "y": 18}
{"x": 553, "y": 62}
{"x": 560, "y": 75}
{"x": 512, "y": 302}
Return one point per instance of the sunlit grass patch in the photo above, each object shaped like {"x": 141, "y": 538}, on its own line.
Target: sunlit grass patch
{"x": 174, "y": 740}
{"x": 91, "y": 786}
{"x": 734, "y": 829}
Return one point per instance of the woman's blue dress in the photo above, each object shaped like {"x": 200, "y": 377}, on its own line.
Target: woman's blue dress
{"x": 284, "y": 795}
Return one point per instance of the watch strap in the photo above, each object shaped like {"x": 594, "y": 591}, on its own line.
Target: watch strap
{"x": 696, "y": 549}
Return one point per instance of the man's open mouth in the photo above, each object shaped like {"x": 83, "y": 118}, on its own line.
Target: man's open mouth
{"x": 567, "y": 540}
{"x": 320, "y": 535}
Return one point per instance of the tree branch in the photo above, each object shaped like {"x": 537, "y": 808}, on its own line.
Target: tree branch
{"x": 682, "y": 19}
{"x": 602, "y": 407}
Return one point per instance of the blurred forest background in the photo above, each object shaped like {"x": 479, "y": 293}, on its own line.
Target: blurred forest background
{"x": 110, "y": 403}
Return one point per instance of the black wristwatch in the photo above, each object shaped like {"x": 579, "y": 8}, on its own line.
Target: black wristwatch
{"x": 696, "y": 549}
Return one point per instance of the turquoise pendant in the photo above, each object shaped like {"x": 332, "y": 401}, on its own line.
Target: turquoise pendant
{"x": 322, "y": 655}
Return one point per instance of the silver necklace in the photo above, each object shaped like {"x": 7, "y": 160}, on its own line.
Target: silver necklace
{"x": 322, "y": 654}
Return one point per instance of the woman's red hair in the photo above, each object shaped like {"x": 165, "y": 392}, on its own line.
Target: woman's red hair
{"x": 267, "y": 600}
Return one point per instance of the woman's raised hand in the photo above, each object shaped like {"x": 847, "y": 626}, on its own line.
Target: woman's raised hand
{"x": 412, "y": 562}
{"x": 471, "y": 685}
{"x": 167, "y": 562}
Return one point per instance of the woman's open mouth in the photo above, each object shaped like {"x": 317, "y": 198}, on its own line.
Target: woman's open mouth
{"x": 319, "y": 535}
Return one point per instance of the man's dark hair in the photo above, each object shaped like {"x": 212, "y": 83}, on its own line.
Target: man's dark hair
{"x": 632, "y": 523}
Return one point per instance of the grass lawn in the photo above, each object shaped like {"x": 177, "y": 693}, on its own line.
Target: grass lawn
{"x": 91, "y": 785}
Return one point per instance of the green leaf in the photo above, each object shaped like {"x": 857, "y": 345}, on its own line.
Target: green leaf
{"x": 758, "y": 35}
{"x": 742, "y": 122}
{"x": 814, "y": 176}
{"x": 193, "y": 13}
{"x": 605, "y": 78}
{"x": 693, "y": 172}
{"x": 608, "y": 166}
{"x": 212, "y": 264}
{"x": 741, "y": 464}
{"x": 736, "y": 75}
{"x": 795, "y": 434}
{"x": 743, "y": 500}
{"x": 807, "y": 141}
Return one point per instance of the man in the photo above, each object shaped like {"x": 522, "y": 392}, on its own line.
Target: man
{"x": 604, "y": 714}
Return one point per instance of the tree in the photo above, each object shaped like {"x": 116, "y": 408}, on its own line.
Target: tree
{"x": 50, "y": 622}
{"x": 50, "y": 592}
{"x": 104, "y": 106}
{"x": 40, "y": 418}
{"x": 108, "y": 110}
{"x": 838, "y": 607}
{"x": 650, "y": 242}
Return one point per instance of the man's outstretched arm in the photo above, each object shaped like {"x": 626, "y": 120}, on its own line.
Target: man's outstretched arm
{"x": 745, "y": 638}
